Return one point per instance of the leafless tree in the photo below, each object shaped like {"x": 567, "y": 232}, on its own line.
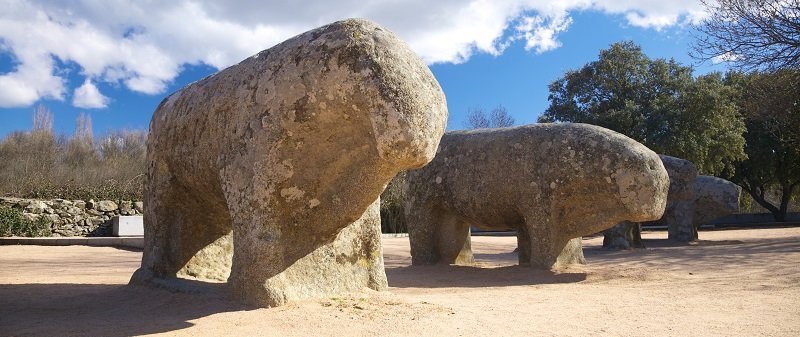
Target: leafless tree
{"x": 42, "y": 119}
{"x": 497, "y": 118}
{"x": 476, "y": 119}
{"x": 750, "y": 34}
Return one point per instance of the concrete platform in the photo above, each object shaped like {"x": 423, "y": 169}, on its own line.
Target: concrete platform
{"x": 129, "y": 242}
{"x": 124, "y": 241}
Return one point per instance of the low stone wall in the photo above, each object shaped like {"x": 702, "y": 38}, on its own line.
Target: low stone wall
{"x": 74, "y": 217}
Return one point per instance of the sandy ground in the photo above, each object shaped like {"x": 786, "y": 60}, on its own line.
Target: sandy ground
{"x": 733, "y": 283}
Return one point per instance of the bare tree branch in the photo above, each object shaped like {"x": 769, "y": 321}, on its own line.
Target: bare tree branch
{"x": 476, "y": 119}
{"x": 498, "y": 118}
{"x": 750, "y": 34}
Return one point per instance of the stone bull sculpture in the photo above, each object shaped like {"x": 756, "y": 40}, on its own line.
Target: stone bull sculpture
{"x": 677, "y": 215}
{"x": 714, "y": 198}
{"x": 711, "y": 198}
{"x": 552, "y": 183}
{"x": 289, "y": 150}
{"x": 680, "y": 199}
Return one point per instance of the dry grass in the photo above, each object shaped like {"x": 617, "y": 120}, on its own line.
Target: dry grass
{"x": 41, "y": 164}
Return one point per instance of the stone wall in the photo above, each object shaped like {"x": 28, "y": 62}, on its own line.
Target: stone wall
{"x": 74, "y": 217}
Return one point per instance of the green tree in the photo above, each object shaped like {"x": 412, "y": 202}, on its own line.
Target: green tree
{"x": 393, "y": 219}
{"x": 771, "y": 103}
{"x": 706, "y": 127}
{"x": 656, "y": 102}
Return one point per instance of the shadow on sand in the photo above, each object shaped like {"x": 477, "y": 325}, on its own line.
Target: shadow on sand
{"x": 105, "y": 309}
{"x": 664, "y": 243}
{"x": 704, "y": 254}
{"x": 443, "y": 276}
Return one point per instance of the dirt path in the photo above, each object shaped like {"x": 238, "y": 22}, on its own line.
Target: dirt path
{"x": 734, "y": 283}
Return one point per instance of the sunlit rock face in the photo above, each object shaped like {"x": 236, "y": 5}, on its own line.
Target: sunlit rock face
{"x": 268, "y": 173}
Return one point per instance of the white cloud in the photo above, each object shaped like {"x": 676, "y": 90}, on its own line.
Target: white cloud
{"x": 29, "y": 82}
{"x": 726, "y": 57}
{"x": 540, "y": 33}
{"x": 89, "y": 97}
{"x": 652, "y": 21}
{"x": 144, "y": 44}
{"x": 656, "y": 14}
{"x": 33, "y": 78}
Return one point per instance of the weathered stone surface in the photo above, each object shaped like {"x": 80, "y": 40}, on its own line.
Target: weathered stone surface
{"x": 61, "y": 203}
{"x": 52, "y": 217}
{"x": 550, "y": 182}
{"x": 35, "y": 207}
{"x": 624, "y": 235}
{"x": 79, "y": 204}
{"x": 290, "y": 150}
{"x": 9, "y": 201}
{"x": 680, "y": 201}
{"x": 126, "y": 208}
{"x": 213, "y": 262}
{"x": 106, "y": 206}
{"x": 714, "y": 198}
{"x": 677, "y": 215}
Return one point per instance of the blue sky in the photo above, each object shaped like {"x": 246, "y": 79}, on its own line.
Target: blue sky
{"x": 117, "y": 66}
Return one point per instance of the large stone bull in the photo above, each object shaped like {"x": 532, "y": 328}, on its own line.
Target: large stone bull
{"x": 714, "y": 198}
{"x": 549, "y": 182}
{"x": 290, "y": 150}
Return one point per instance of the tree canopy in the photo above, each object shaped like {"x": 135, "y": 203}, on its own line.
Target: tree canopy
{"x": 654, "y": 101}
{"x": 771, "y": 104}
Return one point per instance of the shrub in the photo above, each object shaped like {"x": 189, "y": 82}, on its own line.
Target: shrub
{"x": 12, "y": 223}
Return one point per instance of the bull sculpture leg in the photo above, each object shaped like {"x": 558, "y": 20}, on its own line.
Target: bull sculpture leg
{"x": 438, "y": 237}
{"x": 523, "y": 245}
{"x": 268, "y": 274}
{"x": 454, "y": 242}
{"x": 543, "y": 248}
{"x": 193, "y": 225}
